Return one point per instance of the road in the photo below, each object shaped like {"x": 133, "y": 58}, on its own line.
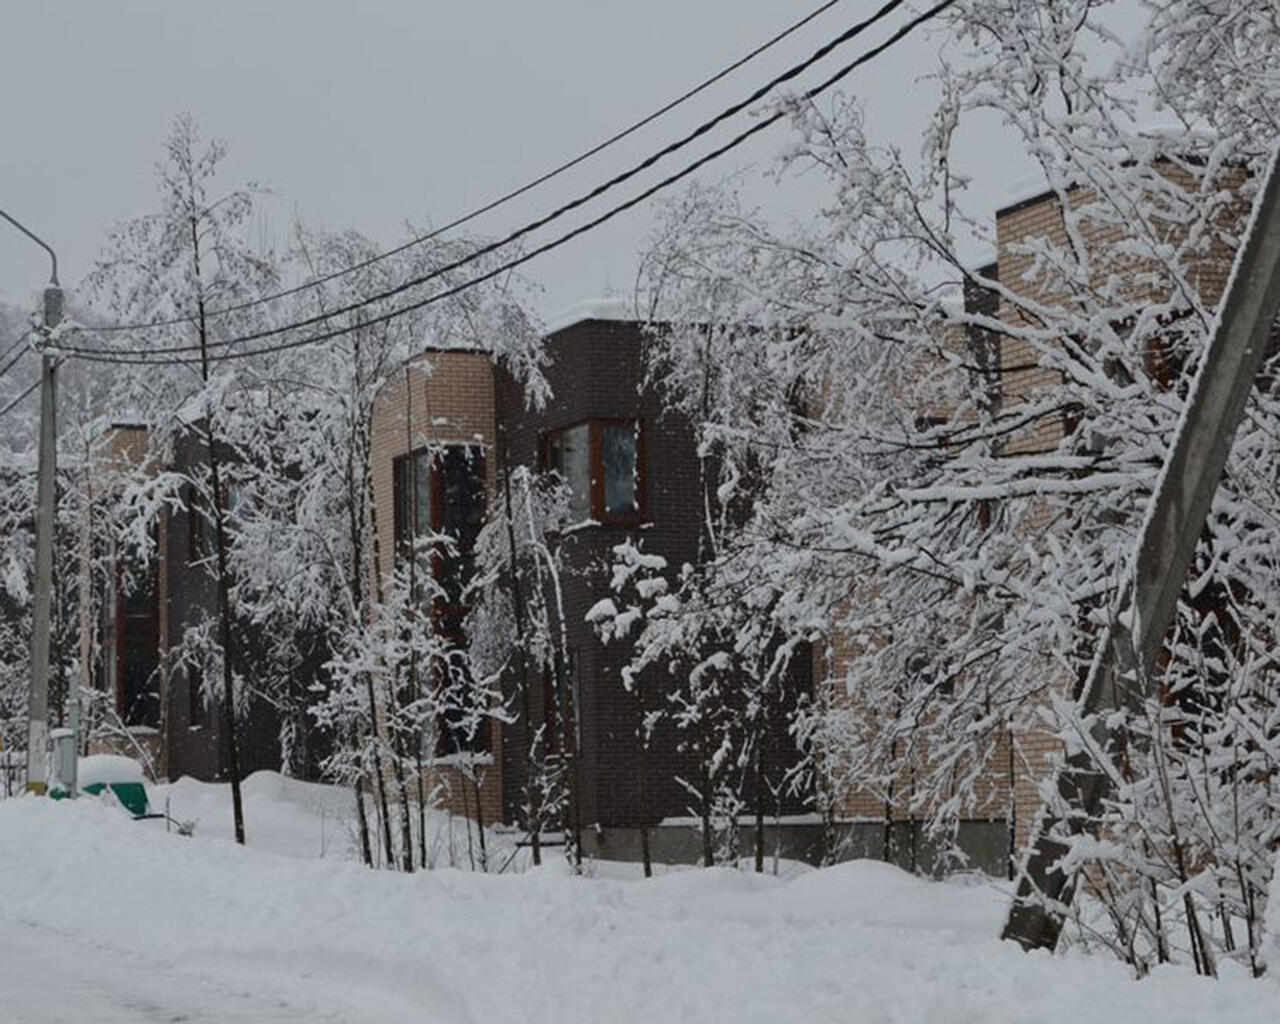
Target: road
{"x": 48, "y": 978}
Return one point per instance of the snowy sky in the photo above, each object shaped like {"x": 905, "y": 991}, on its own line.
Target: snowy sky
{"x": 367, "y": 114}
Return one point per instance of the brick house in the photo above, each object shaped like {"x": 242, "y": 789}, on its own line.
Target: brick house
{"x": 996, "y": 835}
{"x": 194, "y": 742}
{"x": 150, "y": 702}
{"x": 622, "y": 432}
{"x": 432, "y": 453}
{"x": 442, "y": 427}
{"x": 123, "y": 623}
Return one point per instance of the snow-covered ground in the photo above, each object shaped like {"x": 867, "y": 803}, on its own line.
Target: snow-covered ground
{"x": 106, "y": 919}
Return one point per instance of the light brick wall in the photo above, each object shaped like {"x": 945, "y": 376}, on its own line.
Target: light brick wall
{"x": 1036, "y": 748}
{"x": 1027, "y": 755}
{"x": 440, "y": 397}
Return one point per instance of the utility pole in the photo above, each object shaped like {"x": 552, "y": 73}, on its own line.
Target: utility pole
{"x": 1127, "y": 656}
{"x": 38, "y": 692}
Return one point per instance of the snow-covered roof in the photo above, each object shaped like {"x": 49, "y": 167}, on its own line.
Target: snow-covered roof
{"x": 1030, "y": 187}
{"x": 592, "y": 309}
{"x": 1158, "y": 136}
{"x": 979, "y": 257}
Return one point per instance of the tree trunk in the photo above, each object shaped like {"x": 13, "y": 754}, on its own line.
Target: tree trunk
{"x": 356, "y": 492}
{"x": 569, "y": 732}
{"x": 642, "y": 788}
{"x": 484, "y": 853}
{"x": 533, "y": 756}
{"x": 362, "y": 820}
{"x": 224, "y": 593}
{"x": 759, "y": 767}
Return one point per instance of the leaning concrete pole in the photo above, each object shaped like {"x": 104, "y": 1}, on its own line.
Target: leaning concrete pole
{"x": 1126, "y": 658}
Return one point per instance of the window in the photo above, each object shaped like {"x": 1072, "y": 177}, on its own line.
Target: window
{"x": 600, "y": 461}
{"x": 464, "y": 725}
{"x": 196, "y": 715}
{"x": 619, "y": 471}
{"x": 235, "y": 499}
{"x": 462, "y": 514}
{"x": 137, "y": 640}
{"x": 442, "y": 491}
{"x": 922, "y": 675}
{"x": 202, "y": 531}
{"x": 202, "y": 534}
{"x": 412, "y": 498}
{"x": 568, "y": 453}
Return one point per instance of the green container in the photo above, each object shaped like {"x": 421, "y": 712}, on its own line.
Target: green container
{"x": 132, "y": 795}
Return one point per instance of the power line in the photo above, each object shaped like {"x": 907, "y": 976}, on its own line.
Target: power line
{"x": 888, "y": 8}
{"x": 12, "y": 405}
{"x": 12, "y": 362}
{"x": 13, "y": 348}
{"x": 501, "y": 200}
{"x": 126, "y": 358}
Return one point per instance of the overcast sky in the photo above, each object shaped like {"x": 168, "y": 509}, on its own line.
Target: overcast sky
{"x": 367, "y": 114}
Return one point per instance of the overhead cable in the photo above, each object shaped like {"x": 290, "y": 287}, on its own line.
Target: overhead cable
{"x": 12, "y": 405}
{"x": 136, "y": 357}
{"x": 795, "y": 70}
{"x": 494, "y": 203}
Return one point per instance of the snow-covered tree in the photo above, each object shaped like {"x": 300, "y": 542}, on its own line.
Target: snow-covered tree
{"x": 175, "y": 268}
{"x": 305, "y": 557}
{"x": 517, "y": 631}
{"x": 941, "y": 494}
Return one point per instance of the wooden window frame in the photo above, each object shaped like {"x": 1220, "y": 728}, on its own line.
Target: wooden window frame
{"x": 402, "y": 535}
{"x": 596, "y": 426}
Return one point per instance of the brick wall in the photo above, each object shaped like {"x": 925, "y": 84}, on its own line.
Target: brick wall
{"x": 437, "y": 397}
{"x": 1023, "y": 759}
{"x": 596, "y": 372}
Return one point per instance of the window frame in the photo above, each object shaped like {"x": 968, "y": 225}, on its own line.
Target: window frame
{"x": 202, "y": 528}
{"x": 596, "y": 426}
{"x": 137, "y": 630}
{"x": 202, "y": 531}
{"x": 197, "y": 713}
{"x": 404, "y": 533}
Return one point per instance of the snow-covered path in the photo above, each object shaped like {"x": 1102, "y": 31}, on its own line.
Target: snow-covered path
{"x": 137, "y": 925}
{"x": 47, "y": 978}
{"x": 51, "y": 977}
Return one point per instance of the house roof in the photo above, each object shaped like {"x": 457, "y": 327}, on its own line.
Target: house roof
{"x": 615, "y": 308}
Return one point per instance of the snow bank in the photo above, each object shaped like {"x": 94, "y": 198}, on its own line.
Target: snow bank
{"x": 292, "y": 818}
{"x": 861, "y": 942}
{"x": 108, "y": 769}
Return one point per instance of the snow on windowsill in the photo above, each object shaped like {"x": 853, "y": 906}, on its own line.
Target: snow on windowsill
{"x": 461, "y": 761}
{"x": 750, "y": 819}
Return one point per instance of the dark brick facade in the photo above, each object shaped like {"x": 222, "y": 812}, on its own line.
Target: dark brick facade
{"x": 596, "y": 370}
{"x": 190, "y": 594}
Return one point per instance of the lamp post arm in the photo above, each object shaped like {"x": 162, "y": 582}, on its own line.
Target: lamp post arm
{"x": 53, "y": 256}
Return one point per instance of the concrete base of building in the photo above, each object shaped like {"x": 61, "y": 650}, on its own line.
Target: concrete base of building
{"x": 985, "y": 844}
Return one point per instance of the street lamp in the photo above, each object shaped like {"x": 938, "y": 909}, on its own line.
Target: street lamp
{"x": 38, "y": 693}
